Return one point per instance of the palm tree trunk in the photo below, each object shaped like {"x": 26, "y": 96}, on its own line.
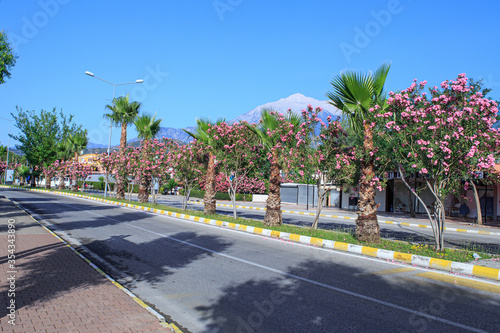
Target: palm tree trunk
{"x": 273, "y": 203}
{"x": 120, "y": 179}
{"x": 367, "y": 227}
{"x": 74, "y": 185}
{"x": 143, "y": 189}
{"x": 61, "y": 181}
{"x": 123, "y": 137}
{"x": 209, "y": 198}
{"x": 47, "y": 182}
{"x": 120, "y": 186}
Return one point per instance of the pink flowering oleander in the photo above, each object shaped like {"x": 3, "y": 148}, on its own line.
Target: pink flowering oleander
{"x": 451, "y": 125}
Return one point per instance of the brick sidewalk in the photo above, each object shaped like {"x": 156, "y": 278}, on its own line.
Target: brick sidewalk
{"x": 55, "y": 290}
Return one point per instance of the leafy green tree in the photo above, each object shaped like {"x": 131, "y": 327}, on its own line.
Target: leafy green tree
{"x": 7, "y": 57}
{"x": 210, "y": 143}
{"x": 23, "y": 171}
{"x": 147, "y": 127}
{"x": 123, "y": 112}
{"x": 39, "y": 136}
{"x": 13, "y": 158}
{"x": 355, "y": 94}
{"x": 171, "y": 184}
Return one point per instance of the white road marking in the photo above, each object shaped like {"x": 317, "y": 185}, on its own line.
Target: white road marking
{"x": 339, "y": 290}
{"x": 336, "y": 289}
{"x": 339, "y": 252}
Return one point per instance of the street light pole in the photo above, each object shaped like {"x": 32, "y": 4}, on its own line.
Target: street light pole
{"x": 8, "y": 150}
{"x": 110, "y": 123}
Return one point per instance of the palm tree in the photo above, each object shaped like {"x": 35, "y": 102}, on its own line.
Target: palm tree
{"x": 268, "y": 124}
{"x": 147, "y": 127}
{"x": 201, "y": 135}
{"x": 75, "y": 144}
{"x": 123, "y": 112}
{"x": 354, "y": 94}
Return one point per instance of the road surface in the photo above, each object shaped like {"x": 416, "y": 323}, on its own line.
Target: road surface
{"x": 209, "y": 279}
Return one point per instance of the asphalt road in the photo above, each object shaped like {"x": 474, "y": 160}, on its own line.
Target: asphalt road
{"x": 477, "y": 242}
{"x": 210, "y": 279}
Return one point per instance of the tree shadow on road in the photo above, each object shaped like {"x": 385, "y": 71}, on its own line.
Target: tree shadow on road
{"x": 154, "y": 260}
{"x": 47, "y": 209}
{"x": 320, "y": 296}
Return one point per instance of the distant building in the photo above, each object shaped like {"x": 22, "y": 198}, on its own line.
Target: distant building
{"x": 91, "y": 159}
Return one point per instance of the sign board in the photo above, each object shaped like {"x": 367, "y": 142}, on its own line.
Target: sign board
{"x": 9, "y": 174}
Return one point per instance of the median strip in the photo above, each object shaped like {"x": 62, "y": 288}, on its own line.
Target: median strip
{"x": 415, "y": 260}
{"x": 404, "y": 224}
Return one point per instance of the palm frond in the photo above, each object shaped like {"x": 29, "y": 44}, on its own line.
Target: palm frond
{"x": 122, "y": 110}
{"x": 202, "y": 126}
{"x": 379, "y": 78}
{"x": 147, "y": 127}
{"x": 355, "y": 93}
{"x": 193, "y": 135}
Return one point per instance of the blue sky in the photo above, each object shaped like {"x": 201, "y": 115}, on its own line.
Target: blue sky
{"x": 206, "y": 58}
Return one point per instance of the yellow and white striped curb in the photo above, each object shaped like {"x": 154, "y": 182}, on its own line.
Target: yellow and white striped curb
{"x": 412, "y": 259}
{"x": 441, "y": 264}
{"x": 109, "y": 278}
{"x": 404, "y": 224}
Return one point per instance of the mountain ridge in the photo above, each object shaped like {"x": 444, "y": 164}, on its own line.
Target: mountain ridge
{"x": 296, "y": 102}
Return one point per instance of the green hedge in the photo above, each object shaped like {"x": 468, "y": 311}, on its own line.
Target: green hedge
{"x": 218, "y": 195}
{"x": 100, "y": 186}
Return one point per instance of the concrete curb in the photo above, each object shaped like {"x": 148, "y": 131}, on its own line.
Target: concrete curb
{"x": 160, "y": 318}
{"x": 404, "y": 224}
{"x": 415, "y": 260}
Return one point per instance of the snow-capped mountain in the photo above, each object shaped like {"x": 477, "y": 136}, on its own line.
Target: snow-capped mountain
{"x": 296, "y": 102}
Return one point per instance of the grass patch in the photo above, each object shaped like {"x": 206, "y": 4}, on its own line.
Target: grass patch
{"x": 460, "y": 255}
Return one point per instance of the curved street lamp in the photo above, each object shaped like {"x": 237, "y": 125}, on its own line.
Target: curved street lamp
{"x": 110, "y": 124}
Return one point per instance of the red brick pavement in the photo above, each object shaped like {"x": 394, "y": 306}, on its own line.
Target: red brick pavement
{"x": 55, "y": 290}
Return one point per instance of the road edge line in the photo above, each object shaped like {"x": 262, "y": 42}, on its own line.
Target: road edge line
{"x": 136, "y": 299}
{"x": 412, "y": 259}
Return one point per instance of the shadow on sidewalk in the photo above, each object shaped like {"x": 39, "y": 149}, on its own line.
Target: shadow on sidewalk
{"x": 47, "y": 272}
{"x": 26, "y": 253}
